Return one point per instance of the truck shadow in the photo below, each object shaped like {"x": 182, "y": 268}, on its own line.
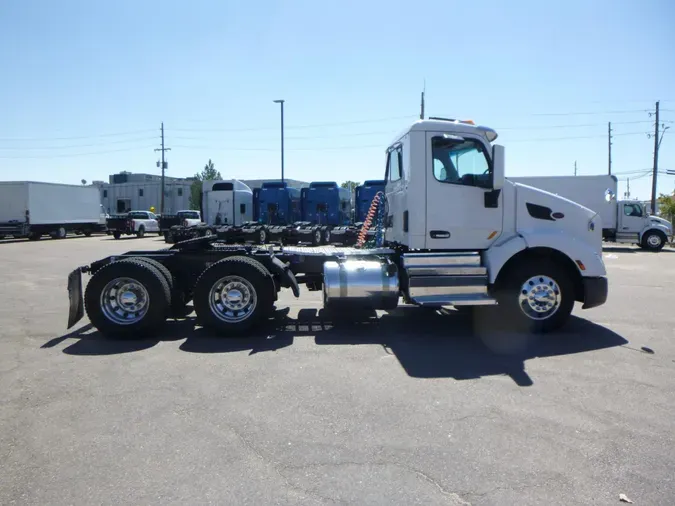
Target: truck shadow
{"x": 427, "y": 344}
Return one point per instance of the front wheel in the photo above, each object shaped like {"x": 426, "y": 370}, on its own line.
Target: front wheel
{"x": 653, "y": 241}
{"x": 537, "y": 296}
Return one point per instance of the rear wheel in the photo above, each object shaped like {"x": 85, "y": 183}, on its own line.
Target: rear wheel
{"x": 87, "y": 233}
{"x": 326, "y": 236}
{"x": 117, "y": 234}
{"x": 654, "y": 240}
{"x": 141, "y": 232}
{"x": 34, "y": 236}
{"x": 127, "y": 298}
{"x": 537, "y": 296}
{"x": 60, "y": 233}
{"x": 233, "y": 295}
{"x": 316, "y": 237}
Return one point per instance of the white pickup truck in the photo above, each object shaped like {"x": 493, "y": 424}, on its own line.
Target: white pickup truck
{"x": 133, "y": 223}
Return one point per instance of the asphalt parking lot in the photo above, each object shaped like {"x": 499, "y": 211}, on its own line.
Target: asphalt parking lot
{"x": 412, "y": 408}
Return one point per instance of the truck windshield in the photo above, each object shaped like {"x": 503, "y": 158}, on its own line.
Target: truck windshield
{"x": 459, "y": 162}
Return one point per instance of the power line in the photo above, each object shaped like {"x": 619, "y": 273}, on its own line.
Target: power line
{"x": 33, "y": 139}
{"x": 633, "y": 111}
{"x": 295, "y": 127}
{"x": 545, "y": 139}
{"x": 34, "y": 148}
{"x": 73, "y": 155}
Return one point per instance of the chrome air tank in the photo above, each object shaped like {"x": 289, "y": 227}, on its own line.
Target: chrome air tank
{"x": 368, "y": 284}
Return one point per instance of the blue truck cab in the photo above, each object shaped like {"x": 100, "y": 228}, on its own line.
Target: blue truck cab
{"x": 326, "y": 204}
{"x": 364, "y": 196}
{"x": 278, "y": 204}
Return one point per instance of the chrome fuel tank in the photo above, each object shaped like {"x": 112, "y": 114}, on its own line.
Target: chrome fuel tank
{"x": 368, "y": 284}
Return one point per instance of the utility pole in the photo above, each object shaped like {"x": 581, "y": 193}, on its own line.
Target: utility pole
{"x": 282, "y": 137}
{"x": 628, "y": 189}
{"x": 575, "y": 167}
{"x": 656, "y": 158}
{"x": 422, "y": 101}
{"x": 164, "y": 165}
{"x": 609, "y": 148}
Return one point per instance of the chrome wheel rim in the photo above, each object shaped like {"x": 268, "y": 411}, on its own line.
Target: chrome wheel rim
{"x": 263, "y": 237}
{"x": 124, "y": 301}
{"x": 208, "y": 233}
{"x": 317, "y": 236}
{"x": 654, "y": 241}
{"x": 539, "y": 297}
{"x": 232, "y": 299}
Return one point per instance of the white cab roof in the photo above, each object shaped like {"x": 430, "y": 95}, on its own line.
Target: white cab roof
{"x": 454, "y": 126}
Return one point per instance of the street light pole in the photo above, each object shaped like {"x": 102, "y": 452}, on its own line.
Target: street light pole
{"x": 282, "y": 137}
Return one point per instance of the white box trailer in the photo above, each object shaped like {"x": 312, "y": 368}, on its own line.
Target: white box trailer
{"x": 32, "y": 209}
{"x": 623, "y": 221}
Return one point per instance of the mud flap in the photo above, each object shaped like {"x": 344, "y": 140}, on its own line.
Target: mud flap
{"x": 76, "y": 310}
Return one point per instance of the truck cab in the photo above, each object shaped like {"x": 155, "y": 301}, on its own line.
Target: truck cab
{"x": 636, "y": 225}
{"x": 468, "y": 235}
{"x": 226, "y": 203}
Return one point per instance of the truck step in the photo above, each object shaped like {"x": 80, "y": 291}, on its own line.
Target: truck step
{"x": 457, "y": 300}
{"x": 443, "y": 264}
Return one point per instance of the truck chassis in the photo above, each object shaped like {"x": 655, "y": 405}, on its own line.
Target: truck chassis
{"x": 234, "y": 287}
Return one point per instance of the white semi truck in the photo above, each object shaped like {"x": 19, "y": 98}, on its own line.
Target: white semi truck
{"x": 455, "y": 233}
{"x": 33, "y": 209}
{"x": 623, "y": 221}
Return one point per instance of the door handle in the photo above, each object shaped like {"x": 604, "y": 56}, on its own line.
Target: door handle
{"x": 439, "y": 234}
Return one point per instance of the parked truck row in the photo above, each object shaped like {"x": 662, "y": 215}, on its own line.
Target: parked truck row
{"x": 276, "y": 213}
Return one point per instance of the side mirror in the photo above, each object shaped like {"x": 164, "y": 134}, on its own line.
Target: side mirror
{"x": 497, "y": 167}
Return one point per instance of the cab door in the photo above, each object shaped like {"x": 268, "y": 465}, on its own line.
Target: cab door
{"x": 632, "y": 220}
{"x": 462, "y": 210}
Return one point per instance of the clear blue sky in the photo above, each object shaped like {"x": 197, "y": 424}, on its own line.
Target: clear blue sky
{"x": 350, "y": 72}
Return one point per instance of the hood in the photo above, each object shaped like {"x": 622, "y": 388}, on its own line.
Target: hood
{"x": 541, "y": 211}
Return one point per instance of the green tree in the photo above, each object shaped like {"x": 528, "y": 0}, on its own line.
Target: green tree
{"x": 208, "y": 174}
{"x": 350, "y": 185}
{"x": 667, "y": 207}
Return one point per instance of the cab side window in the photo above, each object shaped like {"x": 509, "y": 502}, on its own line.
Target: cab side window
{"x": 632, "y": 210}
{"x": 460, "y": 161}
{"x": 395, "y": 164}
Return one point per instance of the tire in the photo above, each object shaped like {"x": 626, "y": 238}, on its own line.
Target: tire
{"x": 517, "y": 292}
{"x": 262, "y": 236}
{"x": 108, "y": 314}
{"x": 159, "y": 233}
{"x": 34, "y": 236}
{"x": 60, "y": 233}
{"x": 2, "y": 237}
{"x": 654, "y": 240}
{"x": 326, "y": 236}
{"x": 177, "y": 298}
{"x": 316, "y": 237}
{"x": 87, "y": 233}
{"x": 141, "y": 232}
{"x": 249, "y": 282}
{"x": 117, "y": 234}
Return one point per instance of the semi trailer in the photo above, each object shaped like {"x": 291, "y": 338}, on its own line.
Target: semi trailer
{"x": 623, "y": 221}
{"x": 455, "y": 232}
{"x": 30, "y": 209}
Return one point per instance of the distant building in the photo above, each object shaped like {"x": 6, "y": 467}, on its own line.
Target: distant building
{"x": 128, "y": 191}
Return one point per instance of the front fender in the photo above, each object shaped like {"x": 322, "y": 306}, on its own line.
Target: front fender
{"x": 654, "y": 226}
{"x": 496, "y": 257}
{"x": 576, "y": 250}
